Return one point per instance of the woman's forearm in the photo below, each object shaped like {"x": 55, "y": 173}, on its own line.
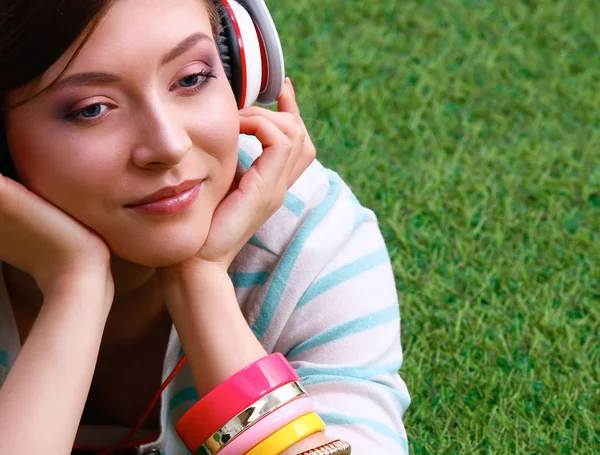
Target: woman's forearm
{"x": 42, "y": 399}
{"x": 217, "y": 339}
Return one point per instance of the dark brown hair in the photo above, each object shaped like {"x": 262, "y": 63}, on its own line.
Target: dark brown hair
{"x": 34, "y": 34}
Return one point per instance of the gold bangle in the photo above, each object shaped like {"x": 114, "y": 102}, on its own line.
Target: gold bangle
{"x": 289, "y": 435}
{"x": 252, "y": 414}
{"x": 337, "y": 447}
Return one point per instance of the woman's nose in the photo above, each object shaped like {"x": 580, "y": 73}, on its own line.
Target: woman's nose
{"x": 163, "y": 139}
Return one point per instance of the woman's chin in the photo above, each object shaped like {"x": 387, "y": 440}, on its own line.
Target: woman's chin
{"x": 159, "y": 254}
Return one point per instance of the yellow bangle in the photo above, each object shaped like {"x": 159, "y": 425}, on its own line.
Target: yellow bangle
{"x": 287, "y": 436}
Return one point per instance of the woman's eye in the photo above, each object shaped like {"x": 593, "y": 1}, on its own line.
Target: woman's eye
{"x": 90, "y": 112}
{"x": 190, "y": 81}
{"x": 194, "y": 81}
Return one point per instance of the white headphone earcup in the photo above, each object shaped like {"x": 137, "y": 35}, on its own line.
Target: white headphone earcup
{"x": 275, "y": 65}
{"x": 250, "y": 54}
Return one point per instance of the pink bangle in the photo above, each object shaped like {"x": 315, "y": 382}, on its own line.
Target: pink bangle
{"x": 233, "y": 396}
{"x": 268, "y": 425}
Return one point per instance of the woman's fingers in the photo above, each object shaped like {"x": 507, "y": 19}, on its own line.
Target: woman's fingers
{"x": 295, "y": 133}
{"x": 287, "y": 100}
{"x": 277, "y": 146}
{"x": 285, "y": 122}
{"x": 287, "y": 103}
{"x": 288, "y": 120}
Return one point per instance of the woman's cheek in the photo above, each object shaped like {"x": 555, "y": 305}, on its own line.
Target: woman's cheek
{"x": 218, "y": 128}
{"x": 70, "y": 173}
{"x": 216, "y": 133}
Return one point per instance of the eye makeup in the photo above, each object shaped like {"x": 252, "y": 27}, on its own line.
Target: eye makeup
{"x": 93, "y": 110}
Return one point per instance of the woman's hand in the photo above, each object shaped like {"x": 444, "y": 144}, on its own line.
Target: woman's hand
{"x": 42, "y": 240}
{"x": 287, "y": 152}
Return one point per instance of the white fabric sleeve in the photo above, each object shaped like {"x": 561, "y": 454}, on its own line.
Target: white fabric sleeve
{"x": 343, "y": 338}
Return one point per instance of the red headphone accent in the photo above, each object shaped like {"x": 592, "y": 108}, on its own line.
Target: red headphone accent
{"x": 238, "y": 33}
{"x": 263, "y": 58}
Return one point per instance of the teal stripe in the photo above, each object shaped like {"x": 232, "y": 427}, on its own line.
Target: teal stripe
{"x": 285, "y": 266}
{"x": 355, "y": 372}
{"x": 339, "y": 419}
{"x": 292, "y": 203}
{"x": 361, "y": 214}
{"x": 402, "y": 398}
{"x": 3, "y": 360}
{"x": 254, "y": 241}
{"x": 343, "y": 274}
{"x": 248, "y": 279}
{"x": 244, "y": 159}
{"x": 346, "y": 329}
{"x": 186, "y": 394}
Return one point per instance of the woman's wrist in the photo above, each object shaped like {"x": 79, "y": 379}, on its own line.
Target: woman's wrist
{"x": 73, "y": 275}
{"x": 215, "y": 335}
{"x": 81, "y": 287}
{"x": 191, "y": 270}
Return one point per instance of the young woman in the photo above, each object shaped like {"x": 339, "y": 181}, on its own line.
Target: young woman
{"x": 146, "y": 216}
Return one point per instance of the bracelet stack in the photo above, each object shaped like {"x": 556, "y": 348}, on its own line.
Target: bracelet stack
{"x": 262, "y": 409}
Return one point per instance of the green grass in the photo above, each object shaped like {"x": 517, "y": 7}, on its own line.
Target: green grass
{"x": 472, "y": 129}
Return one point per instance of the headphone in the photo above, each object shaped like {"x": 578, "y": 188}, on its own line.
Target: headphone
{"x": 251, "y": 52}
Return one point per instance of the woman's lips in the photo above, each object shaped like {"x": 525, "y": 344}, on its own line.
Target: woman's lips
{"x": 169, "y": 200}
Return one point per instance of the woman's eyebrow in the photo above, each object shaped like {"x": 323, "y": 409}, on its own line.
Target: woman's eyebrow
{"x": 184, "y": 46}
{"x": 87, "y": 78}
{"x": 105, "y": 78}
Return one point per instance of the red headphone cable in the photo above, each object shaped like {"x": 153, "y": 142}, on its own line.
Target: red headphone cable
{"x": 125, "y": 443}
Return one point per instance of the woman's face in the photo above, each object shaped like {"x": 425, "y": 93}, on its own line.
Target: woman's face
{"x": 143, "y": 106}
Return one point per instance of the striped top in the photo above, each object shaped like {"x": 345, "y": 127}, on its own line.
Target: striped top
{"x": 316, "y": 284}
